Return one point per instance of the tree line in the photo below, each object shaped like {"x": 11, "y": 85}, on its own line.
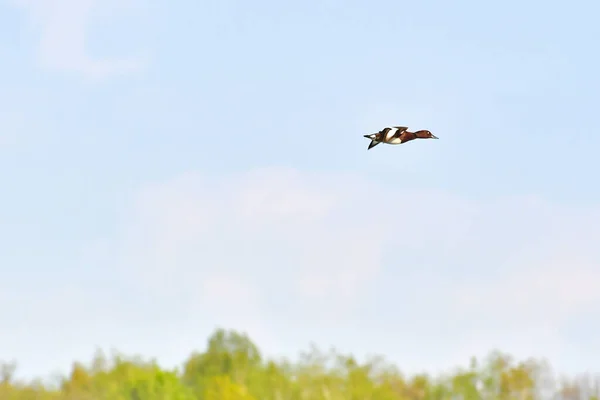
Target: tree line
{"x": 233, "y": 368}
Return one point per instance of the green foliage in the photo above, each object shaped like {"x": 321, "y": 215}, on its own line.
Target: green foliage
{"x": 232, "y": 368}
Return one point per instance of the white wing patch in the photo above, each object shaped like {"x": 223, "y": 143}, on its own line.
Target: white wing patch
{"x": 391, "y": 133}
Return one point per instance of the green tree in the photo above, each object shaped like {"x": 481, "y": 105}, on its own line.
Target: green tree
{"x": 232, "y": 368}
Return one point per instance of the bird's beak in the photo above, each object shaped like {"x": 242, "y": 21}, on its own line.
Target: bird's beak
{"x": 434, "y": 137}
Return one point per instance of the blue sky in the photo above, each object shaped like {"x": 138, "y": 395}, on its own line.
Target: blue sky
{"x": 170, "y": 168}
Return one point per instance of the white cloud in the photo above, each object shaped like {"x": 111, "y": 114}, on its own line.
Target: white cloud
{"x": 322, "y": 244}
{"x": 426, "y": 277}
{"x": 63, "y": 27}
{"x": 253, "y": 227}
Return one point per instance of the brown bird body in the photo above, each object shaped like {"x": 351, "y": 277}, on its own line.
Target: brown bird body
{"x": 397, "y": 135}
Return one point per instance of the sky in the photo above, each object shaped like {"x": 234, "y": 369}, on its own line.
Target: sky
{"x": 168, "y": 168}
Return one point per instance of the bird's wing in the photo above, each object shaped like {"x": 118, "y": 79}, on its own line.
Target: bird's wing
{"x": 401, "y": 128}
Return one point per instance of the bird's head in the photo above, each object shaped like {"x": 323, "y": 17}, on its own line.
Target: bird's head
{"x": 425, "y": 134}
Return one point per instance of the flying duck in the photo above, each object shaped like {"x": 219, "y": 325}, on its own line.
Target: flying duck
{"x": 397, "y": 135}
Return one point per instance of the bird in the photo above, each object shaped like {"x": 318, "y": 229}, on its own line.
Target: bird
{"x": 397, "y": 135}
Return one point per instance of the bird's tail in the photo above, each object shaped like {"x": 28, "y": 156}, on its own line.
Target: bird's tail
{"x": 373, "y": 141}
